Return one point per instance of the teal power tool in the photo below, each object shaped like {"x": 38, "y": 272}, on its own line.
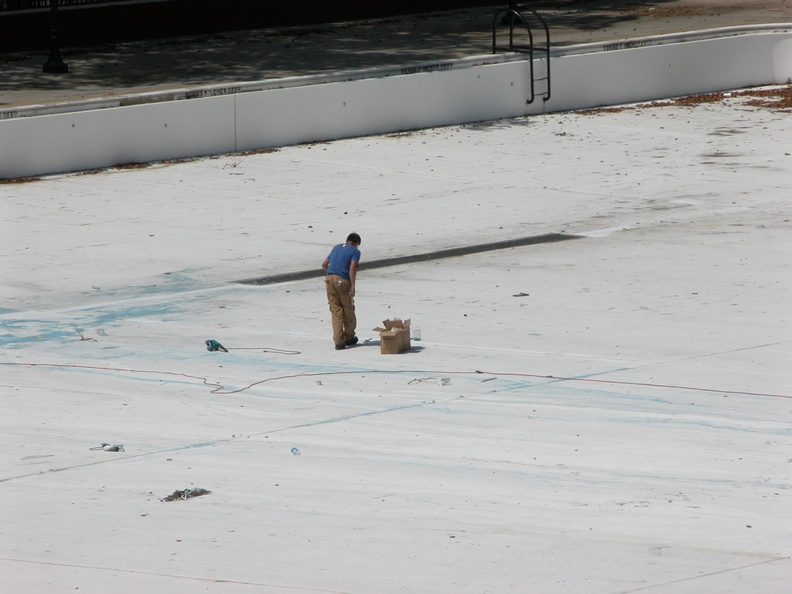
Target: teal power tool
{"x": 213, "y": 345}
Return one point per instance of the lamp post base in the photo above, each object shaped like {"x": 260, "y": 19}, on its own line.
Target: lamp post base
{"x": 56, "y": 65}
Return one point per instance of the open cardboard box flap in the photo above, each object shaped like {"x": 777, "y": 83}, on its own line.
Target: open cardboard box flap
{"x": 393, "y": 325}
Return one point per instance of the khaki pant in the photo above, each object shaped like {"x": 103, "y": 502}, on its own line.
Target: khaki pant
{"x": 342, "y": 308}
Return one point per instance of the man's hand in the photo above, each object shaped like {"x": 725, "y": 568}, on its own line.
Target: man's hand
{"x": 353, "y": 266}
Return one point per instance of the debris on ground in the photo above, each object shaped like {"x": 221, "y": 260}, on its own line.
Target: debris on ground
{"x": 108, "y": 447}
{"x": 186, "y": 494}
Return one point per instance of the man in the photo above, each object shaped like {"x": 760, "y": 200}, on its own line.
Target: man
{"x": 341, "y": 267}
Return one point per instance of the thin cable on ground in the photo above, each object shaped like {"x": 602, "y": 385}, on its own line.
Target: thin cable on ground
{"x": 205, "y": 381}
{"x": 213, "y": 345}
{"x": 219, "y": 389}
{"x": 644, "y": 384}
{"x": 266, "y": 350}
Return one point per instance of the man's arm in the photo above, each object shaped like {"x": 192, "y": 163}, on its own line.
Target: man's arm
{"x": 325, "y": 264}
{"x": 352, "y": 275}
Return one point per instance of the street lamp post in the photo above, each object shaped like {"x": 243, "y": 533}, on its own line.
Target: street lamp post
{"x": 55, "y": 63}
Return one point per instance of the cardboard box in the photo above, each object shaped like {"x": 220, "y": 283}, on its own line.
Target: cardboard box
{"x": 394, "y": 336}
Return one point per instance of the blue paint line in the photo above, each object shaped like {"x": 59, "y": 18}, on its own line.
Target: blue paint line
{"x": 211, "y": 443}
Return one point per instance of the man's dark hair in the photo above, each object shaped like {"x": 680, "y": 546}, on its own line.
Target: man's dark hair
{"x": 353, "y": 238}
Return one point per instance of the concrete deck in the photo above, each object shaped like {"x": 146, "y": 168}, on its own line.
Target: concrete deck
{"x": 274, "y": 53}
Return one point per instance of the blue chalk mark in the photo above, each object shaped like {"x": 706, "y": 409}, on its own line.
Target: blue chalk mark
{"x": 18, "y": 332}
{"x": 23, "y": 331}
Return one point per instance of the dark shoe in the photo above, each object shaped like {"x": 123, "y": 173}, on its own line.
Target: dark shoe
{"x": 351, "y": 341}
{"x": 340, "y": 347}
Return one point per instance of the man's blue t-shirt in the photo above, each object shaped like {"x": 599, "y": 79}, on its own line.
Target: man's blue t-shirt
{"x": 341, "y": 257}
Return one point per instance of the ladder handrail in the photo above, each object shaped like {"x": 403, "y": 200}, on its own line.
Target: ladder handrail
{"x": 514, "y": 16}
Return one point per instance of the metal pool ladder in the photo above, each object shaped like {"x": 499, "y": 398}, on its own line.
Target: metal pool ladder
{"x": 514, "y": 19}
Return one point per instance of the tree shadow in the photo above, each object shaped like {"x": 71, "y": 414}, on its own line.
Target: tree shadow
{"x": 261, "y": 54}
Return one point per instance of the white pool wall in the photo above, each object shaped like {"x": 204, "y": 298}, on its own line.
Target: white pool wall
{"x": 39, "y": 140}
